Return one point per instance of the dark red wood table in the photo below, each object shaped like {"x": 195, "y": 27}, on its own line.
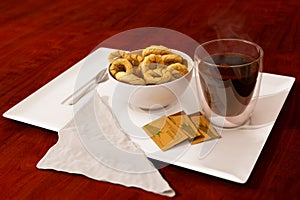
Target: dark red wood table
{"x": 41, "y": 39}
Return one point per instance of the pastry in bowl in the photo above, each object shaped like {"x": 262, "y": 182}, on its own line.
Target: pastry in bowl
{"x": 152, "y": 77}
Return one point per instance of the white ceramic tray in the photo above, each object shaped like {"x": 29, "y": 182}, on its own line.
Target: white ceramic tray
{"x": 233, "y": 156}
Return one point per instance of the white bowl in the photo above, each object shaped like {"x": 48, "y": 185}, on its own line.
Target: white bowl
{"x": 152, "y": 96}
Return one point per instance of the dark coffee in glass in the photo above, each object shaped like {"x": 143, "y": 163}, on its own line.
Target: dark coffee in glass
{"x": 229, "y": 77}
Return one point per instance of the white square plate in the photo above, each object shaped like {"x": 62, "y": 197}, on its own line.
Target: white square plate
{"x": 233, "y": 156}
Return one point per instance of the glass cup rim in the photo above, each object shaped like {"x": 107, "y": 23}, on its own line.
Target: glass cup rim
{"x": 258, "y": 48}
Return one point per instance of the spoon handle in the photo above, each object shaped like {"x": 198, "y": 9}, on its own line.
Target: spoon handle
{"x": 86, "y": 88}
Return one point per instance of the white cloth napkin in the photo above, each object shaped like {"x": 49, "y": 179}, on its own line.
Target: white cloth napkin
{"x": 93, "y": 144}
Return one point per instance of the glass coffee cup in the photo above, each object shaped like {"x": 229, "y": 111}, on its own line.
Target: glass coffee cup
{"x": 228, "y": 80}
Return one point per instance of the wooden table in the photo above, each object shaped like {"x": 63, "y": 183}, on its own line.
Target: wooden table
{"x": 41, "y": 39}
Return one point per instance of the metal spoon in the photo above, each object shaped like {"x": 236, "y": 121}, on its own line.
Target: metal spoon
{"x": 102, "y": 76}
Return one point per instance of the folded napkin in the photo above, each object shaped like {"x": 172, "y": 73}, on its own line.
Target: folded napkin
{"x": 94, "y": 145}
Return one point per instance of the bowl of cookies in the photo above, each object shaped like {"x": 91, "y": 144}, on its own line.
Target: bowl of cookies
{"x": 150, "y": 78}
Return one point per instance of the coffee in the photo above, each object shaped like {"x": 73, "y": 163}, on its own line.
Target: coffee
{"x": 228, "y": 82}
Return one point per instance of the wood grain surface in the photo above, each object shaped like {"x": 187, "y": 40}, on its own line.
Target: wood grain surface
{"x": 41, "y": 39}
